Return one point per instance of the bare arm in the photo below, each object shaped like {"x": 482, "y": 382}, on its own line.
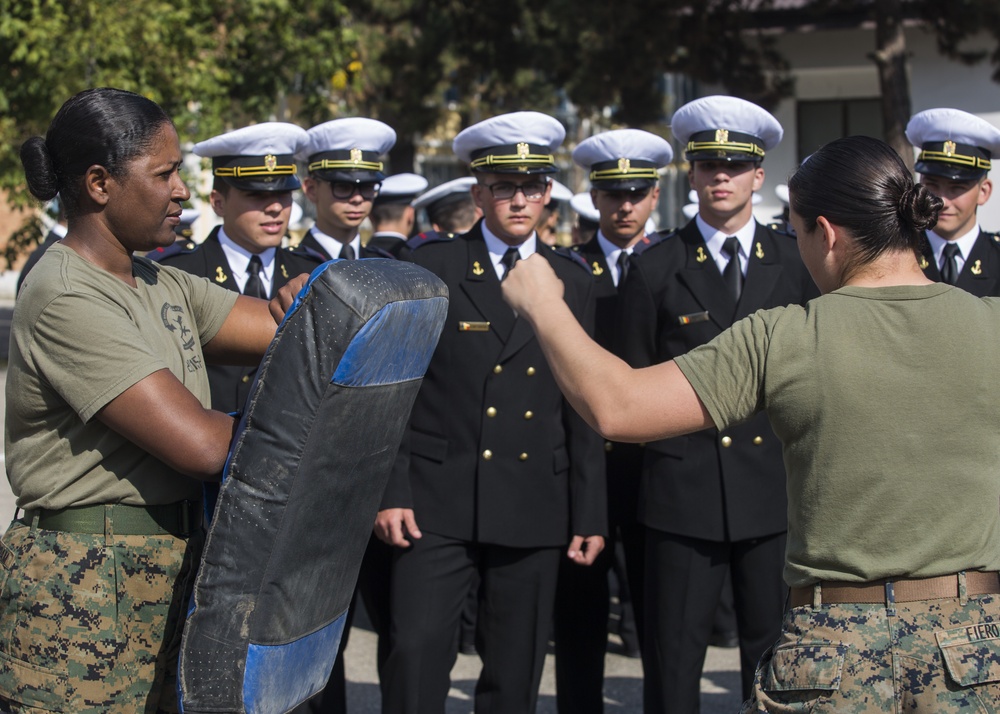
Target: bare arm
{"x": 621, "y": 403}
{"x": 161, "y": 416}
{"x": 250, "y": 325}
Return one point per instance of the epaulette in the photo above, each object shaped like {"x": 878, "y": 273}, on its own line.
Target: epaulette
{"x": 429, "y": 237}
{"x": 995, "y": 237}
{"x": 781, "y": 228}
{"x": 572, "y": 256}
{"x": 307, "y": 252}
{"x": 648, "y": 241}
{"x": 177, "y": 248}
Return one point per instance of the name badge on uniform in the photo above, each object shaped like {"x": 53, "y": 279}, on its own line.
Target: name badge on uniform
{"x": 693, "y": 317}
{"x": 467, "y": 326}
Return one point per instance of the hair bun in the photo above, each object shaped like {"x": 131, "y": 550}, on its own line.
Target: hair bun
{"x": 918, "y": 207}
{"x": 39, "y": 171}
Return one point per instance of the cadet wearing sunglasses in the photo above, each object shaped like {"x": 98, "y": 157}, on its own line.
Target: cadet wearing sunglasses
{"x": 345, "y": 176}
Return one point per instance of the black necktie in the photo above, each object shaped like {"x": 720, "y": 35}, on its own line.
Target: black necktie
{"x": 508, "y": 260}
{"x": 255, "y": 286}
{"x": 733, "y": 274}
{"x": 622, "y": 268}
{"x": 347, "y": 252}
{"x": 949, "y": 268}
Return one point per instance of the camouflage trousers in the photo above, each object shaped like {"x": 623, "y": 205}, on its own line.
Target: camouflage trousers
{"x": 928, "y": 656}
{"x": 92, "y": 623}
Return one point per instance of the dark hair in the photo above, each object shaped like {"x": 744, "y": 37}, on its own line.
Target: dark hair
{"x": 454, "y": 216}
{"x": 861, "y": 184}
{"x": 387, "y": 212}
{"x": 103, "y": 126}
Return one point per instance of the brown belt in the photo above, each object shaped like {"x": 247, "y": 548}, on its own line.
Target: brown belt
{"x": 903, "y": 590}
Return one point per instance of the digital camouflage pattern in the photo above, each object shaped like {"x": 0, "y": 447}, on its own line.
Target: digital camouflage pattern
{"x": 91, "y": 623}
{"x": 933, "y": 656}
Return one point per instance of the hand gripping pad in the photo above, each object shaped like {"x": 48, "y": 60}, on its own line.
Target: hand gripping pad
{"x": 306, "y": 471}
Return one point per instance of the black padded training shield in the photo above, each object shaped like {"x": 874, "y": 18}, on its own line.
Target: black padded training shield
{"x": 302, "y": 485}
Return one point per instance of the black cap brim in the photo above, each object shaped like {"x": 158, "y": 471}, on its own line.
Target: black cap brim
{"x": 276, "y": 183}
{"x": 352, "y": 176}
{"x": 950, "y": 171}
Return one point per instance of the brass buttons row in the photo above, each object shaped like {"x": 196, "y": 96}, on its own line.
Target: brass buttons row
{"x": 499, "y": 368}
{"x": 492, "y": 412}
{"x": 727, "y": 441}
{"x": 487, "y": 455}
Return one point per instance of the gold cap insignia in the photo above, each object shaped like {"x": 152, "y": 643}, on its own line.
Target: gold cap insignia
{"x": 477, "y": 269}
{"x": 523, "y": 150}
{"x": 598, "y": 270}
{"x": 722, "y": 136}
{"x": 270, "y": 162}
{"x": 356, "y": 155}
{"x": 949, "y": 148}
{"x": 624, "y": 165}
{"x": 700, "y": 255}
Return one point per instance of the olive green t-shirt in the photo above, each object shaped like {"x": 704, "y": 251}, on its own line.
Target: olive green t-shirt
{"x": 887, "y": 404}
{"x": 79, "y": 338}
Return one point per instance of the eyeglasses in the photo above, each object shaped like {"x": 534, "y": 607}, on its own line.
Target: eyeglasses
{"x": 504, "y": 190}
{"x": 344, "y": 190}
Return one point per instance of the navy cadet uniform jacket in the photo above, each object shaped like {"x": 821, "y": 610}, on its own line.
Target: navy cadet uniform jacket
{"x": 981, "y": 273}
{"x": 230, "y": 385}
{"x": 624, "y": 461}
{"x": 309, "y": 243}
{"x": 714, "y": 486}
{"x": 493, "y": 453}
{"x": 390, "y": 243}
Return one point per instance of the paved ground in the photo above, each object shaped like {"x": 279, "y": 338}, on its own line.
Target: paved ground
{"x": 623, "y": 682}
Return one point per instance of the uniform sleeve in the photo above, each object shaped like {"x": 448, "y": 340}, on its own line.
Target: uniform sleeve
{"x": 210, "y": 303}
{"x": 728, "y": 372}
{"x": 90, "y": 351}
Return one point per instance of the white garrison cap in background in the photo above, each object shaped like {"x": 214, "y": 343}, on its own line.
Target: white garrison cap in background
{"x": 725, "y": 128}
{"x": 781, "y": 191}
{"x": 623, "y": 159}
{"x": 260, "y": 157}
{"x": 519, "y": 142}
{"x": 560, "y": 192}
{"x": 583, "y": 204}
{"x": 953, "y": 144}
{"x": 348, "y": 149}
{"x": 400, "y": 188}
{"x": 449, "y": 191}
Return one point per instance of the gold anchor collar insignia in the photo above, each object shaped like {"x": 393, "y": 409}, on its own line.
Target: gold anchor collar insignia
{"x": 760, "y": 251}
{"x": 284, "y": 271}
{"x": 220, "y": 277}
{"x": 598, "y": 270}
{"x": 977, "y": 268}
{"x": 700, "y": 254}
{"x": 477, "y": 269}
{"x": 923, "y": 263}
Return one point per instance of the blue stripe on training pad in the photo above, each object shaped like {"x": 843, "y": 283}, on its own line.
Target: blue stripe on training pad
{"x": 277, "y": 677}
{"x": 394, "y": 346}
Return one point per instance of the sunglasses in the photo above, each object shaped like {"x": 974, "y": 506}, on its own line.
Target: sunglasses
{"x": 343, "y": 190}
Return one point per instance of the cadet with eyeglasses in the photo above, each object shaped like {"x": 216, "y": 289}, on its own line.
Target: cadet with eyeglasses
{"x": 497, "y": 476}
{"x": 956, "y": 149}
{"x": 345, "y": 176}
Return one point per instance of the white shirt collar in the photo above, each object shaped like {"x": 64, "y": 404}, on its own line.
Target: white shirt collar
{"x": 611, "y": 253}
{"x": 497, "y": 248}
{"x": 238, "y": 258}
{"x": 715, "y": 238}
{"x": 965, "y": 244}
{"x": 332, "y": 246}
